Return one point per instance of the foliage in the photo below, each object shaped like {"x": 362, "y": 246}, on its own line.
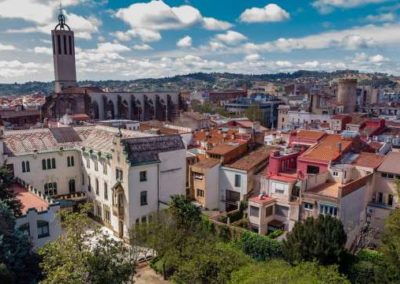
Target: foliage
{"x": 391, "y": 239}
{"x": 185, "y": 213}
{"x": 254, "y": 113}
{"x": 370, "y": 266}
{"x": 275, "y": 234}
{"x": 6, "y": 195}
{"x": 259, "y": 247}
{"x": 280, "y": 272}
{"x": 18, "y": 263}
{"x": 84, "y": 254}
{"x": 319, "y": 239}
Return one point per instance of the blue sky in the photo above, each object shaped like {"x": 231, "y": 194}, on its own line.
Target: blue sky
{"x": 122, "y": 39}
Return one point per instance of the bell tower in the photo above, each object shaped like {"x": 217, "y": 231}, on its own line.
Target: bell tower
{"x": 63, "y": 55}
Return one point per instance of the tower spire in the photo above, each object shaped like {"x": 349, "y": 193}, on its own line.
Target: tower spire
{"x": 61, "y": 17}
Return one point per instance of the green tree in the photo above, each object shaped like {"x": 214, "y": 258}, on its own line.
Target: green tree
{"x": 391, "y": 238}
{"x": 6, "y": 194}
{"x": 85, "y": 254}
{"x": 259, "y": 247}
{"x": 319, "y": 239}
{"x": 254, "y": 113}
{"x": 18, "y": 263}
{"x": 280, "y": 272}
{"x": 185, "y": 212}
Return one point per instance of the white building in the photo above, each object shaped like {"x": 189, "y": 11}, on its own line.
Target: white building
{"x": 126, "y": 174}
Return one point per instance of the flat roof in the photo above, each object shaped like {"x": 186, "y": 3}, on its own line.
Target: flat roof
{"x": 262, "y": 199}
{"x": 391, "y": 163}
{"x": 223, "y": 149}
{"x": 28, "y": 199}
{"x": 206, "y": 163}
{"x": 330, "y": 189}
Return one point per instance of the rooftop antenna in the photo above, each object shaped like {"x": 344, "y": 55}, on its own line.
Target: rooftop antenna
{"x": 61, "y": 17}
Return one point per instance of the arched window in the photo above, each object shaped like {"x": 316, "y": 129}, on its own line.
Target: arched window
{"x": 97, "y": 186}
{"x": 71, "y": 185}
{"x": 23, "y": 167}
{"x": 48, "y": 163}
{"x": 50, "y": 188}
{"x": 43, "y": 229}
{"x": 28, "y": 167}
{"x": 53, "y": 163}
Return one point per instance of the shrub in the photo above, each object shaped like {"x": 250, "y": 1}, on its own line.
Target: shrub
{"x": 260, "y": 247}
{"x": 275, "y": 234}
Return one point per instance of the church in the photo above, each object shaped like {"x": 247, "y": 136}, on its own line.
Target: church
{"x": 93, "y": 102}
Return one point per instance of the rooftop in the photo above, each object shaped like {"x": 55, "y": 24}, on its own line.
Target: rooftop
{"x": 262, "y": 199}
{"x": 28, "y": 199}
{"x": 207, "y": 163}
{"x": 391, "y": 163}
{"x": 253, "y": 159}
{"x": 330, "y": 189}
{"x": 223, "y": 149}
{"x": 309, "y": 134}
{"x": 369, "y": 160}
{"x": 327, "y": 150}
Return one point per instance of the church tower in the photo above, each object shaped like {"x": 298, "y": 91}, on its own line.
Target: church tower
{"x": 63, "y": 55}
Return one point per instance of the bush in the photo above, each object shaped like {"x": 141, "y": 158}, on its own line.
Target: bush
{"x": 260, "y": 247}
{"x": 275, "y": 234}
{"x": 235, "y": 216}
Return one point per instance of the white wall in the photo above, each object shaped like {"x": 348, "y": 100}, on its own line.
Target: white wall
{"x": 227, "y": 182}
{"x": 50, "y": 216}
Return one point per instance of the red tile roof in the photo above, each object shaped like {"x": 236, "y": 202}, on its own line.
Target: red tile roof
{"x": 28, "y": 199}
{"x": 369, "y": 160}
{"x": 262, "y": 199}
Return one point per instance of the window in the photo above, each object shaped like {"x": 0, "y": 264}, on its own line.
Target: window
{"x": 107, "y": 215}
{"x": 143, "y": 198}
{"x": 53, "y": 163}
{"x": 89, "y": 184}
{"x": 282, "y": 211}
{"x": 70, "y": 161}
{"x": 312, "y": 170}
{"x": 269, "y": 211}
{"x": 197, "y": 176}
{"x": 143, "y": 220}
{"x": 43, "y": 229}
{"x": 104, "y": 168}
{"x": 390, "y": 200}
{"x": 105, "y": 191}
{"x": 83, "y": 179}
{"x": 71, "y": 186}
{"x": 335, "y": 174}
{"x": 70, "y": 44}
{"x": 327, "y": 210}
{"x": 26, "y": 167}
{"x": 118, "y": 174}
{"x": 96, "y": 165}
{"x": 65, "y": 44}
{"x": 200, "y": 192}
{"x": 143, "y": 176}
{"x": 48, "y": 164}
{"x": 97, "y": 186}
{"x": 254, "y": 211}
{"x": 237, "y": 180}
{"x": 384, "y": 175}
{"x": 88, "y": 163}
{"x": 44, "y": 164}
{"x": 50, "y": 188}
{"x": 98, "y": 209}
{"x": 24, "y": 228}
{"x": 279, "y": 191}
{"x": 59, "y": 44}
{"x": 391, "y": 176}
{"x": 380, "y": 197}
{"x": 308, "y": 206}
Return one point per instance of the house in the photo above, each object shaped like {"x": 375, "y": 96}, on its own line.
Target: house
{"x": 239, "y": 179}
{"x": 126, "y": 175}
{"x": 204, "y": 180}
{"x": 385, "y": 196}
{"x": 39, "y": 219}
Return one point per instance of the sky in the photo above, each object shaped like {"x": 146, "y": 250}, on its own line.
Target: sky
{"x": 130, "y": 39}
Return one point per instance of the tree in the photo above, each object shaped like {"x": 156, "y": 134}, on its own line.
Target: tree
{"x": 391, "y": 238}
{"x": 280, "y": 272}
{"x": 186, "y": 213}
{"x": 259, "y": 247}
{"x": 254, "y": 113}
{"x": 6, "y": 194}
{"x": 18, "y": 263}
{"x": 319, "y": 239}
{"x": 85, "y": 254}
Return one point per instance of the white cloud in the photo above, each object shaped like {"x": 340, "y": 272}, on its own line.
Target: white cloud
{"x": 231, "y": 37}
{"x": 43, "y": 50}
{"x": 386, "y": 17}
{"x": 327, "y": 6}
{"x": 7, "y": 47}
{"x": 354, "y": 38}
{"x": 269, "y": 13}
{"x": 83, "y": 27}
{"x": 15, "y": 69}
{"x": 252, "y": 57}
{"x": 215, "y": 25}
{"x": 148, "y": 19}
{"x": 377, "y": 59}
{"x": 184, "y": 42}
{"x": 105, "y": 47}
{"x": 142, "y": 47}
